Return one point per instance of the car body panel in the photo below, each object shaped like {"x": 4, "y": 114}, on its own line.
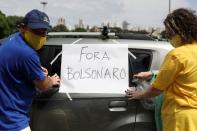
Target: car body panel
{"x": 53, "y": 111}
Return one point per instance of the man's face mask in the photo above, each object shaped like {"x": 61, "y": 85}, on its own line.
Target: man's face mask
{"x": 35, "y": 41}
{"x": 175, "y": 41}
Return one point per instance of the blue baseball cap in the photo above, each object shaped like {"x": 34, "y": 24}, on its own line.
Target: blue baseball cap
{"x": 36, "y": 19}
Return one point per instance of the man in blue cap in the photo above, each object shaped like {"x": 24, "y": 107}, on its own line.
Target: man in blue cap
{"x": 21, "y": 71}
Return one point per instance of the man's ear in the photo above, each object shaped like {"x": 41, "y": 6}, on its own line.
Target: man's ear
{"x": 23, "y": 28}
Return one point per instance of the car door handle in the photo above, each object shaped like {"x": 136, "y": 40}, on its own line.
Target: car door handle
{"x": 118, "y": 105}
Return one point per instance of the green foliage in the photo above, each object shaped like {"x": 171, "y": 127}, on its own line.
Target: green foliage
{"x": 13, "y": 21}
{"x": 4, "y": 28}
{"x": 80, "y": 30}
{"x": 60, "y": 28}
{"x": 95, "y": 29}
{"x": 140, "y": 32}
{"x": 115, "y": 29}
{"x": 2, "y": 14}
{"x": 8, "y": 24}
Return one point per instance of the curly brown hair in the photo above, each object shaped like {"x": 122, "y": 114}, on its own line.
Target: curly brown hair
{"x": 182, "y": 22}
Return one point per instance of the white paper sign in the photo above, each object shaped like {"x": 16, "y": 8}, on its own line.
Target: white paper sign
{"x": 94, "y": 68}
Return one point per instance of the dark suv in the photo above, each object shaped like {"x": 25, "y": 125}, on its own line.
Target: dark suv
{"x": 54, "y": 111}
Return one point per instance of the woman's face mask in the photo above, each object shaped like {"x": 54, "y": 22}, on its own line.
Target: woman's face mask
{"x": 176, "y": 41}
{"x": 35, "y": 41}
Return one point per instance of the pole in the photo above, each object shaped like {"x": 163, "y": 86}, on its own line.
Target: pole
{"x": 44, "y": 5}
{"x": 169, "y": 6}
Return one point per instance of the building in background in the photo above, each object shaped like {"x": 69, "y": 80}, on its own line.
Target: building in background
{"x": 125, "y": 25}
{"x": 81, "y": 24}
{"x": 61, "y": 21}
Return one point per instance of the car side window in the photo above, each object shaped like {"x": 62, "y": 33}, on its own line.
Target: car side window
{"x": 47, "y": 54}
{"x": 141, "y": 63}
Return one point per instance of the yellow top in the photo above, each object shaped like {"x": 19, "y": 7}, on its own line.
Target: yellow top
{"x": 177, "y": 78}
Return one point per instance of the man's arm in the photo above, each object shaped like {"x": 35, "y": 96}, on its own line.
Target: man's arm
{"x": 47, "y": 82}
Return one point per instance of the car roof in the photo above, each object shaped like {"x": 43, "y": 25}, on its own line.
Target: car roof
{"x": 59, "y": 38}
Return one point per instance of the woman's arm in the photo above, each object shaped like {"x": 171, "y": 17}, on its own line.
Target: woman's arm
{"x": 139, "y": 94}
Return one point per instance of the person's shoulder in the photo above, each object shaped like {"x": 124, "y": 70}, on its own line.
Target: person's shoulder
{"x": 21, "y": 47}
{"x": 181, "y": 53}
{"x": 176, "y": 53}
{"x": 9, "y": 39}
{"x": 28, "y": 52}
{"x": 179, "y": 50}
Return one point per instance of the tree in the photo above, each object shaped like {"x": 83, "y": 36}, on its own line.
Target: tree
{"x": 60, "y": 28}
{"x": 13, "y": 21}
{"x": 4, "y": 28}
{"x": 95, "y": 29}
{"x": 115, "y": 29}
{"x": 139, "y": 31}
{"x": 80, "y": 30}
{"x": 8, "y": 25}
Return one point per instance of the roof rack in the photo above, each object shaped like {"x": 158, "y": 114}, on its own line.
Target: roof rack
{"x": 133, "y": 36}
{"x": 77, "y": 34}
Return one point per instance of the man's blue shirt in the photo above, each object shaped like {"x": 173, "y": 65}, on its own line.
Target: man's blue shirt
{"x": 19, "y": 67}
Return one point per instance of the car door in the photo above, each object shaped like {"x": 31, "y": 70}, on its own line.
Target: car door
{"x": 53, "y": 111}
{"x": 144, "y": 119}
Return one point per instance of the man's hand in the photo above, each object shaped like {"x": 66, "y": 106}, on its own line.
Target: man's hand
{"x": 45, "y": 71}
{"x": 55, "y": 80}
{"x": 48, "y": 82}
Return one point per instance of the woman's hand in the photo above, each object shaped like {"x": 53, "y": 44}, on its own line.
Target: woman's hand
{"x": 143, "y": 75}
{"x": 132, "y": 93}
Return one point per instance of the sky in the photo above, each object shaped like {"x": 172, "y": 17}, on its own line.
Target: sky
{"x": 145, "y": 13}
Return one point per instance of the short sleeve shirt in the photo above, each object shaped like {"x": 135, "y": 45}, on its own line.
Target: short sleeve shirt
{"x": 177, "y": 78}
{"x": 19, "y": 67}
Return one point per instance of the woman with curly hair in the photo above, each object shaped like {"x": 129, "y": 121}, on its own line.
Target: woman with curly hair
{"x": 177, "y": 77}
